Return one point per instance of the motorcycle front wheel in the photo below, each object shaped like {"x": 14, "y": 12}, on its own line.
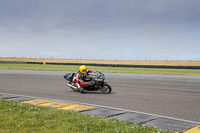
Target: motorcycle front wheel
{"x": 105, "y": 88}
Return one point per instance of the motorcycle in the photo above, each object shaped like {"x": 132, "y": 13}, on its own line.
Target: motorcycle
{"x": 97, "y": 79}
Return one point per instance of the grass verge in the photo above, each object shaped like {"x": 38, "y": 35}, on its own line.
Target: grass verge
{"x": 19, "y": 117}
{"x": 101, "y": 69}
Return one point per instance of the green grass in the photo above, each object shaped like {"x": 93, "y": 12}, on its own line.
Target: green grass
{"x": 102, "y": 69}
{"x": 18, "y": 117}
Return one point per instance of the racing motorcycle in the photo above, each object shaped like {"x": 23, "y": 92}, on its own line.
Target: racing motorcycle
{"x": 97, "y": 79}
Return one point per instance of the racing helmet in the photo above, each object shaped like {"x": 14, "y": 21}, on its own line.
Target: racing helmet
{"x": 83, "y": 69}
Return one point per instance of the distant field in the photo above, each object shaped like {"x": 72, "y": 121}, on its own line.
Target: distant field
{"x": 101, "y": 69}
{"x": 125, "y": 62}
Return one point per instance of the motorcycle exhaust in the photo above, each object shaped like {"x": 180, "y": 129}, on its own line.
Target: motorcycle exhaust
{"x": 72, "y": 86}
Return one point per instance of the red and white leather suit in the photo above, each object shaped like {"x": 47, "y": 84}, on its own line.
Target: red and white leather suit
{"x": 78, "y": 79}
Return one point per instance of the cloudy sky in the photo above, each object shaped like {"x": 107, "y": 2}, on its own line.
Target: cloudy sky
{"x": 101, "y": 29}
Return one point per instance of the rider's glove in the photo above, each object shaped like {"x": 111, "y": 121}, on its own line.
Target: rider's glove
{"x": 90, "y": 83}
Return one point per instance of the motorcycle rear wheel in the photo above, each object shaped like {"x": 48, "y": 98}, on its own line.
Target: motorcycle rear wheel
{"x": 105, "y": 88}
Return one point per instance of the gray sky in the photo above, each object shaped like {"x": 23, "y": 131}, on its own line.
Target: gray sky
{"x": 101, "y": 29}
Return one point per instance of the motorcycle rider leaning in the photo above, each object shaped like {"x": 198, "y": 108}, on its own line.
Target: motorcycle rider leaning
{"x": 78, "y": 78}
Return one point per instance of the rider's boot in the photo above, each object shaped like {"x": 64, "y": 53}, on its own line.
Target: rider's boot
{"x": 81, "y": 89}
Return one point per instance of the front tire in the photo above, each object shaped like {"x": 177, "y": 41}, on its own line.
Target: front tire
{"x": 105, "y": 88}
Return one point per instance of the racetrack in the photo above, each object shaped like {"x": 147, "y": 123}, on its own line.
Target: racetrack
{"x": 168, "y": 95}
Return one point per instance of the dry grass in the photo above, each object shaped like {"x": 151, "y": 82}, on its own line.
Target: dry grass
{"x": 134, "y": 62}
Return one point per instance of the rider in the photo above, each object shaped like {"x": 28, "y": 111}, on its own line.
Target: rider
{"x": 78, "y": 78}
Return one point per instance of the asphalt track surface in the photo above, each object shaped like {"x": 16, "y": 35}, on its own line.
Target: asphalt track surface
{"x": 176, "y": 96}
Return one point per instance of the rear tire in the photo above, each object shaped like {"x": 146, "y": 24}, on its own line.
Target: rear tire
{"x": 105, "y": 88}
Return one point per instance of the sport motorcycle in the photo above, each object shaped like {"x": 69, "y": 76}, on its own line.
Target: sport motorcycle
{"x": 96, "y": 78}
